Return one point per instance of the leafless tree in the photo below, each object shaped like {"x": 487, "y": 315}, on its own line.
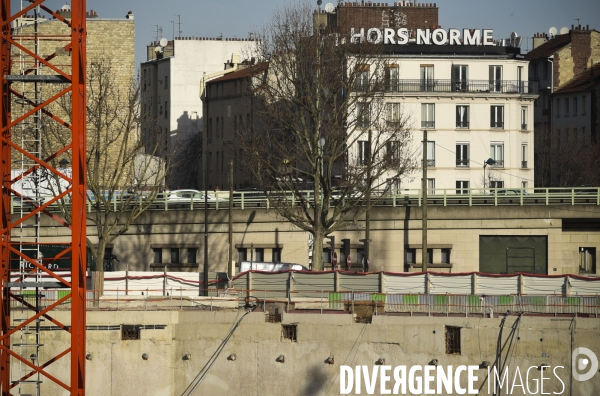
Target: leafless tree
{"x": 566, "y": 158}
{"x": 122, "y": 178}
{"x": 320, "y": 122}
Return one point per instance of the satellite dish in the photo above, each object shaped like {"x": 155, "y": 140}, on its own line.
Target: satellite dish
{"x": 514, "y": 35}
{"x": 552, "y": 31}
{"x": 163, "y": 42}
{"x": 329, "y": 7}
{"x": 564, "y": 30}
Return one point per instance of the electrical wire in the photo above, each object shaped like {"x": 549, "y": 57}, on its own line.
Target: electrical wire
{"x": 360, "y": 335}
{"x": 204, "y": 371}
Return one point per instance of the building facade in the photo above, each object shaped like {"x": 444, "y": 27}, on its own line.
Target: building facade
{"x": 171, "y": 107}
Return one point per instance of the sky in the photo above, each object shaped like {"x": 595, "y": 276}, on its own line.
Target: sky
{"x": 236, "y": 18}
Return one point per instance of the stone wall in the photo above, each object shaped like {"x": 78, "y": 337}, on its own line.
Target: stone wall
{"x": 248, "y": 362}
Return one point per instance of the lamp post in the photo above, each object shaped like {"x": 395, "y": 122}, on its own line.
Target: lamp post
{"x": 489, "y": 161}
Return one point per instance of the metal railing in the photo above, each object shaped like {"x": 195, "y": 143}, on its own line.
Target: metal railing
{"x": 439, "y": 196}
{"x": 497, "y": 124}
{"x": 431, "y": 163}
{"x": 524, "y": 164}
{"x": 466, "y": 86}
{"x": 428, "y": 124}
{"x": 463, "y": 163}
{"x": 462, "y": 124}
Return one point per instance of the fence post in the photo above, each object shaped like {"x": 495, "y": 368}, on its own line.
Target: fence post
{"x": 474, "y": 283}
{"x": 521, "y": 280}
{"x": 352, "y": 300}
{"x": 336, "y": 281}
{"x": 567, "y": 286}
{"x": 165, "y": 281}
{"x": 447, "y": 304}
{"x": 577, "y": 305}
{"x": 127, "y": 280}
{"x": 321, "y": 301}
{"x": 265, "y": 300}
{"x": 171, "y": 297}
{"x": 554, "y": 303}
{"x": 427, "y": 283}
{"x": 117, "y": 298}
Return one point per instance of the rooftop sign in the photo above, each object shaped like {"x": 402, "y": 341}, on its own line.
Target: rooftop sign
{"x": 424, "y": 36}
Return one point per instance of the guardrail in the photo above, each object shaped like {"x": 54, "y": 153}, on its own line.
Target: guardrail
{"x": 408, "y": 197}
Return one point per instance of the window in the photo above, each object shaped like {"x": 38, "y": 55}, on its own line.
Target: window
{"x": 166, "y": 81}
{"x": 583, "y": 104}
{"x": 497, "y": 117}
{"x": 166, "y": 110}
{"x": 276, "y": 257}
{"x": 392, "y": 114}
{"x": 210, "y": 161}
{"x": 362, "y": 80}
{"x": 462, "y": 116}
{"x": 534, "y": 71}
{"x": 462, "y": 187}
{"x": 497, "y": 183}
{"x": 210, "y": 128}
{"x": 363, "y": 111}
{"x": 427, "y": 83}
{"x": 557, "y": 107}
{"x": 446, "y": 256}
{"x": 587, "y": 260}
{"x": 427, "y": 115}
{"x": 289, "y": 332}
{"x": 130, "y": 332}
{"x": 575, "y": 105}
{"x": 363, "y": 152}
{"x": 566, "y": 107}
{"x": 462, "y": 154}
{"x": 430, "y": 186}
{"x": 217, "y": 163}
{"x": 175, "y": 255}
{"x": 157, "y": 255}
{"x": 222, "y": 127}
{"x": 524, "y": 155}
{"x": 495, "y": 78}
{"x": 218, "y": 127}
{"x": 391, "y": 77}
{"x": 392, "y": 150}
{"x": 497, "y": 154}
{"x": 452, "y": 340}
{"x": 411, "y": 256}
{"x": 429, "y": 256}
{"x": 546, "y": 68}
{"x": 191, "y": 255}
{"x": 520, "y": 79}
{"x": 459, "y": 78}
{"x": 259, "y": 254}
{"x": 430, "y": 153}
{"x": 523, "y": 118}
{"x": 242, "y": 254}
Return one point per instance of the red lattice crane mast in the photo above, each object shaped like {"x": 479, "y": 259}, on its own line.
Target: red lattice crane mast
{"x": 27, "y": 75}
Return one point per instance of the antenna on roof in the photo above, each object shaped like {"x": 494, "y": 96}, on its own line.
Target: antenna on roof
{"x": 552, "y": 32}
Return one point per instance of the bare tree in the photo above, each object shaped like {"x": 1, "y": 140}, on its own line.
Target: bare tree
{"x": 122, "y": 178}
{"x": 320, "y": 122}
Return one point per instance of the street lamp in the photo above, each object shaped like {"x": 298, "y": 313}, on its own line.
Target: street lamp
{"x": 490, "y": 162}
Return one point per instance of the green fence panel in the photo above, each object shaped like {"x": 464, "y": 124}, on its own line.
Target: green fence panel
{"x": 378, "y": 297}
{"x": 474, "y": 301}
{"x": 336, "y": 300}
{"x": 440, "y": 300}
{"x": 410, "y": 299}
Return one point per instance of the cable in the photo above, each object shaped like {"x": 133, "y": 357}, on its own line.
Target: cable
{"x": 204, "y": 371}
{"x": 360, "y": 335}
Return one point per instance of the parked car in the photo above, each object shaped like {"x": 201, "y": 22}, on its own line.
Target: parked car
{"x": 183, "y": 196}
{"x": 509, "y": 192}
{"x": 272, "y": 267}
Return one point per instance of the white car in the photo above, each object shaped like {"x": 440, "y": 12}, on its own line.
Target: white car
{"x": 189, "y": 196}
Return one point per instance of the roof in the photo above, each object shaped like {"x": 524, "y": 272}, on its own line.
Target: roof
{"x": 549, "y": 47}
{"x": 582, "y": 81}
{"x": 243, "y": 73}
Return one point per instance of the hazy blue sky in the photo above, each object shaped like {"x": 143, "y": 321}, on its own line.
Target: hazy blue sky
{"x": 235, "y": 18}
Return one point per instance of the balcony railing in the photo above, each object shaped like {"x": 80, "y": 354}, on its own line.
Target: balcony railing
{"x": 498, "y": 164}
{"x": 462, "y": 124}
{"x": 467, "y": 86}
{"x": 497, "y": 124}
{"x": 430, "y": 163}
{"x": 462, "y": 162}
{"x": 427, "y": 124}
{"x": 523, "y": 127}
{"x": 524, "y": 164}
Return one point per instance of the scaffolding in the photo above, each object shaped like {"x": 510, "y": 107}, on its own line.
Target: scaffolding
{"x": 31, "y": 80}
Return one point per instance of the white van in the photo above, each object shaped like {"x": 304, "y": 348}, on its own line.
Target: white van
{"x": 272, "y": 267}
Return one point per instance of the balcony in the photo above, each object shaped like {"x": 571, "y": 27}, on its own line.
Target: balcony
{"x": 462, "y": 124}
{"x": 524, "y": 164}
{"x": 431, "y": 163}
{"x": 498, "y": 164}
{"x": 467, "y": 86}
{"x": 523, "y": 127}
{"x": 428, "y": 124}
{"x": 463, "y": 163}
{"x": 497, "y": 124}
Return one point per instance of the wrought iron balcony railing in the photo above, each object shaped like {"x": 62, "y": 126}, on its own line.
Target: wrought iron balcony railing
{"x": 462, "y": 124}
{"x": 498, "y": 164}
{"x": 463, "y": 162}
{"x": 430, "y": 163}
{"x": 427, "y": 124}
{"x": 467, "y": 86}
{"x": 497, "y": 124}
{"x": 523, "y": 127}
{"x": 524, "y": 164}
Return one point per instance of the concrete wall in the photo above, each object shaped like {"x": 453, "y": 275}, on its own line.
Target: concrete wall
{"x": 392, "y": 230}
{"x": 117, "y": 368}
